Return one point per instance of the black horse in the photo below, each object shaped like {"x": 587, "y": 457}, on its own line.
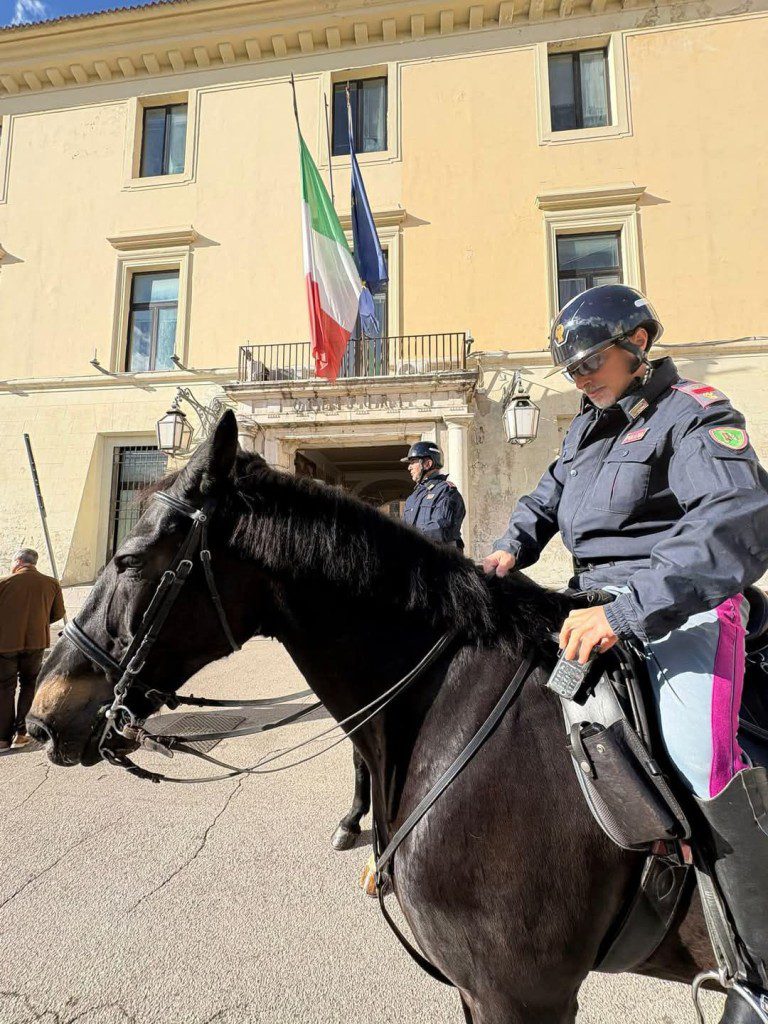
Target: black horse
{"x": 508, "y": 884}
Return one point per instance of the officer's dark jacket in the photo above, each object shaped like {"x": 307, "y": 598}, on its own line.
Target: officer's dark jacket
{"x": 663, "y": 493}
{"x": 437, "y": 510}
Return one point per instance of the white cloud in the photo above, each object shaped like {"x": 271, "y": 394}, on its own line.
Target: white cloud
{"x": 29, "y": 10}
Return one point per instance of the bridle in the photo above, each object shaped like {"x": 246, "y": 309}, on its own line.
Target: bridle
{"x": 121, "y": 720}
{"x": 119, "y": 717}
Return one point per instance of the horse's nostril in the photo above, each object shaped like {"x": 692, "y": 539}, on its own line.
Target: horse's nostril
{"x": 37, "y": 730}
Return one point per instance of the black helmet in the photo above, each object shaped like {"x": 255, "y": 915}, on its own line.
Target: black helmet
{"x": 424, "y": 450}
{"x": 598, "y": 318}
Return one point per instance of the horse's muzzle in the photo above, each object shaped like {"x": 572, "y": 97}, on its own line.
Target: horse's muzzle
{"x": 66, "y": 716}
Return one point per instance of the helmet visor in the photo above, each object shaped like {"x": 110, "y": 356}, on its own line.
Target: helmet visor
{"x": 581, "y": 358}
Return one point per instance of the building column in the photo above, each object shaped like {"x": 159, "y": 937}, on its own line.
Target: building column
{"x": 457, "y": 464}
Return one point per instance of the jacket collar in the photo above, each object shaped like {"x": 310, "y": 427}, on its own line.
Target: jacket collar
{"x": 664, "y": 375}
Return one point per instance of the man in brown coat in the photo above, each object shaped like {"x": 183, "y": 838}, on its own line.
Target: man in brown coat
{"x": 29, "y": 603}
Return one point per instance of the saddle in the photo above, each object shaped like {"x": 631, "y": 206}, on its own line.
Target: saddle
{"x": 631, "y": 788}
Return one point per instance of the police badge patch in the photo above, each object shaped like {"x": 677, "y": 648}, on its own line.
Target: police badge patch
{"x": 730, "y": 437}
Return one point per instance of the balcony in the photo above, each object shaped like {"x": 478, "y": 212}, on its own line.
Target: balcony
{"x": 411, "y": 355}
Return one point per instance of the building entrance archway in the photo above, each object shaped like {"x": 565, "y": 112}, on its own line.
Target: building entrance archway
{"x": 372, "y": 473}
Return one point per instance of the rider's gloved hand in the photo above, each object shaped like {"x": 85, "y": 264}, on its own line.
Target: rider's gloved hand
{"x": 498, "y": 563}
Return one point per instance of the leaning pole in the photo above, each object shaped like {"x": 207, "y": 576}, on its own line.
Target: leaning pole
{"x": 41, "y": 508}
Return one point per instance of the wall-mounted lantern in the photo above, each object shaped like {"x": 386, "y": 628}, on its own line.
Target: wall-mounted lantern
{"x": 521, "y": 415}
{"x": 174, "y": 431}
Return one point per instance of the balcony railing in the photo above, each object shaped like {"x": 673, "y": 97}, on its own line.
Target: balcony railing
{"x": 409, "y": 355}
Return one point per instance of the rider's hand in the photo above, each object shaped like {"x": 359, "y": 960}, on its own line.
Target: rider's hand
{"x": 584, "y": 629}
{"x": 499, "y": 563}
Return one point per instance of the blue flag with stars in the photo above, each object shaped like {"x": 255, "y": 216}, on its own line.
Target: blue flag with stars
{"x": 368, "y": 256}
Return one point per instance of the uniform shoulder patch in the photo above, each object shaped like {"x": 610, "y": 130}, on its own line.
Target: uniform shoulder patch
{"x": 451, "y": 484}
{"x": 730, "y": 437}
{"x": 704, "y": 394}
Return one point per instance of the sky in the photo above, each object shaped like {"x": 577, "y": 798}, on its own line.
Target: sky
{"x": 18, "y": 12}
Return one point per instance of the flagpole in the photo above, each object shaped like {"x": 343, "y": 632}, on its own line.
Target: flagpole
{"x": 330, "y": 154}
{"x": 295, "y": 107}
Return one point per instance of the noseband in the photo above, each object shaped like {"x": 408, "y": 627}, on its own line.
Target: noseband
{"x": 118, "y": 715}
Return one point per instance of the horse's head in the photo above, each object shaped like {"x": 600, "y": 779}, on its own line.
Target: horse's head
{"x": 73, "y": 692}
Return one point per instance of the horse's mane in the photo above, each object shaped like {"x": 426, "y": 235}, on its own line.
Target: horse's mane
{"x": 301, "y": 527}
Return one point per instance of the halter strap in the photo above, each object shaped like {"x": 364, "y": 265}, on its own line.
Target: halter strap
{"x": 173, "y": 579}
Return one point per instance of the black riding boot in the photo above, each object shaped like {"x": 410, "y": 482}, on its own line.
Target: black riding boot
{"x": 738, "y": 825}
{"x": 738, "y": 1011}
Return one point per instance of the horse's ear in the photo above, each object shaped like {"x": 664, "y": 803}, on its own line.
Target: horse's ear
{"x": 213, "y": 462}
{"x": 222, "y": 452}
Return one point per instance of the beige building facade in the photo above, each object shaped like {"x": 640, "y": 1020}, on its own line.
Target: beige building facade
{"x": 513, "y": 153}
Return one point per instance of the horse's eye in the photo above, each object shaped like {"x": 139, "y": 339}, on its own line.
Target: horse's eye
{"x": 124, "y": 562}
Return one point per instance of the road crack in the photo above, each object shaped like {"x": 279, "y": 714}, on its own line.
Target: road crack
{"x": 49, "y": 867}
{"x": 193, "y": 857}
{"x": 38, "y": 1015}
{"x": 32, "y": 791}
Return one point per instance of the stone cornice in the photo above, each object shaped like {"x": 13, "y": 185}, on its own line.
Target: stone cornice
{"x": 453, "y": 380}
{"x": 189, "y": 35}
{"x": 149, "y": 381}
{"x": 132, "y": 241}
{"x": 590, "y": 198}
{"x": 383, "y": 218}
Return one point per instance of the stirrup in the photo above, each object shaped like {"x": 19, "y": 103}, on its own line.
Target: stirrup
{"x": 757, "y": 1002}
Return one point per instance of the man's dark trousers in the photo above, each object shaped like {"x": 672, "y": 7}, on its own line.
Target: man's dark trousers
{"x": 24, "y": 666}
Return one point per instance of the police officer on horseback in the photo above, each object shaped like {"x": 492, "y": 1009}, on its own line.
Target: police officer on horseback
{"x": 660, "y": 498}
{"x": 435, "y": 508}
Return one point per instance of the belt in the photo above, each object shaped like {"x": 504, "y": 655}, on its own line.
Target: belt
{"x": 580, "y": 567}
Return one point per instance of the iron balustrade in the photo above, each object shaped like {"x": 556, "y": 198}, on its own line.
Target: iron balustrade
{"x": 408, "y": 355}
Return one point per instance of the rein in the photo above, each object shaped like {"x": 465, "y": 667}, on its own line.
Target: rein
{"x": 122, "y": 721}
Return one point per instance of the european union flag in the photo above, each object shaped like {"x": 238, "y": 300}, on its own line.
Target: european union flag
{"x": 368, "y": 256}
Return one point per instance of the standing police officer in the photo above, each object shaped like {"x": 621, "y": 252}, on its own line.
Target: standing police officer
{"x": 659, "y": 496}
{"x": 435, "y": 507}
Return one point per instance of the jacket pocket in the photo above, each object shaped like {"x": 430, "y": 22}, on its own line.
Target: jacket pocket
{"x": 735, "y": 469}
{"x": 624, "y": 478}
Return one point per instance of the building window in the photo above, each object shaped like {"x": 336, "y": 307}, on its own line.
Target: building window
{"x": 163, "y": 140}
{"x": 585, "y": 261}
{"x": 134, "y": 469}
{"x": 368, "y": 101}
{"x": 152, "y": 321}
{"x": 578, "y": 90}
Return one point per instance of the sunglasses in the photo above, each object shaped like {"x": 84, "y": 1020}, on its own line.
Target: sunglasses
{"x": 587, "y": 366}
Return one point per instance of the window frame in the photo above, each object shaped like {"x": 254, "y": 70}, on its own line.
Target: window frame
{"x": 167, "y": 108}
{"x": 132, "y": 178}
{"x": 6, "y": 132}
{"x": 391, "y": 71}
{"x": 620, "y": 115}
{"x": 339, "y": 85}
{"x": 603, "y": 210}
{"x": 576, "y": 56}
{"x": 153, "y": 308}
{"x": 149, "y": 259}
{"x": 589, "y": 275}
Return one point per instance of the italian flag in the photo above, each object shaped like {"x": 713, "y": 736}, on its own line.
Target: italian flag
{"x": 333, "y": 283}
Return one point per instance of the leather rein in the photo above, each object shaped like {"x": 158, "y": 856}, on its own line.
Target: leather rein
{"x": 121, "y": 720}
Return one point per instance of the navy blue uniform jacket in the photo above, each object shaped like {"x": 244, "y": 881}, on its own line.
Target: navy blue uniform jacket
{"x": 437, "y": 510}
{"x": 662, "y": 493}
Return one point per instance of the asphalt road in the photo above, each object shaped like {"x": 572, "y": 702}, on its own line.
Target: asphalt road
{"x": 121, "y": 901}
